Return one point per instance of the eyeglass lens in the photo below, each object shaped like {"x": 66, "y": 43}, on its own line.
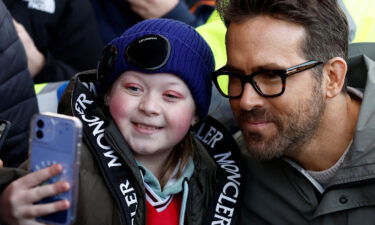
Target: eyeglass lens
{"x": 267, "y": 83}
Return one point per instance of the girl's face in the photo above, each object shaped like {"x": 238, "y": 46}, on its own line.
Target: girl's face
{"x": 152, "y": 111}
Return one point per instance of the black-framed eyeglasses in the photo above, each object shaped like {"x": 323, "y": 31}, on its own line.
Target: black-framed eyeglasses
{"x": 267, "y": 83}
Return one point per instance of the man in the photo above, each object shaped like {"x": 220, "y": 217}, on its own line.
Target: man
{"x": 310, "y": 145}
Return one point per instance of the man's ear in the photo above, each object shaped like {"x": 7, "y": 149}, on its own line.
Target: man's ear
{"x": 335, "y": 72}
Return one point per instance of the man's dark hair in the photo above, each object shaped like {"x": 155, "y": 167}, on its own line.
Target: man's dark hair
{"x": 324, "y": 21}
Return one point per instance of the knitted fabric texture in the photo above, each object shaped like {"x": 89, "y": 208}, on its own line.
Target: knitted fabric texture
{"x": 190, "y": 57}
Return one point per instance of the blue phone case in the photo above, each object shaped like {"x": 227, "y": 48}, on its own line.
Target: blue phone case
{"x": 56, "y": 138}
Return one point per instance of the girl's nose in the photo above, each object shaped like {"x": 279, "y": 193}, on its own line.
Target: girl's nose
{"x": 149, "y": 105}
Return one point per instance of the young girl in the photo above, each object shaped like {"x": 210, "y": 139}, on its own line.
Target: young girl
{"x": 139, "y": 164}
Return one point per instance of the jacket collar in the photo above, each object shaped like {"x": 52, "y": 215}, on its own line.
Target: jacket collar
{"x": 359, "y": 164}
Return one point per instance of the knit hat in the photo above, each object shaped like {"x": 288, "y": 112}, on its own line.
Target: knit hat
{"x": 161, "y": 46}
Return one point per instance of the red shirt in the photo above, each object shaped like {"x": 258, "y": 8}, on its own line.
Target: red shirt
{"x": 168, "y": 216}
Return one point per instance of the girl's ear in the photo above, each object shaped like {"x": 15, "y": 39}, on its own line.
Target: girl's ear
{"x": 194, "y": 121}
{"x": 106, "y": 100}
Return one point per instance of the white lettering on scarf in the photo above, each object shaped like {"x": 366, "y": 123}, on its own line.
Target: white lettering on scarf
{"x": 47, "y": 6}
{"x": 98, "y": 131}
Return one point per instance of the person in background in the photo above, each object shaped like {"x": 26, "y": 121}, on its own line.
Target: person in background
{"x": 308, "y": 138}
{"x": 17, "y": 97}
{"x": 59, "y": 37}
{"x": 114, "y": 16}
{"x": 151, "y": 87}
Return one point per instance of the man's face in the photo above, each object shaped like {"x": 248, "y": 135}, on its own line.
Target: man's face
{"x": 273, "y": 127}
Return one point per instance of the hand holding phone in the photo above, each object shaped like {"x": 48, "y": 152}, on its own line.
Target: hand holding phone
{"x": 18, "y": 199}
{"x": 56, "y": 139}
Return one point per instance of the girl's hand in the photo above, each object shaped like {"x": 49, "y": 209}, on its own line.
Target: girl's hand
{"x": 18, "y": 198}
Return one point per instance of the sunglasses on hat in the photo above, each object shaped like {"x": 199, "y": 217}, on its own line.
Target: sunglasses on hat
{"x": 149, "y": 52}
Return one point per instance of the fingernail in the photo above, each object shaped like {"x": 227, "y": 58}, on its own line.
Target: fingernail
{"x": 58, "y": 166}
{"x": 65, "y": 204}
{"x": 66, "y": 186}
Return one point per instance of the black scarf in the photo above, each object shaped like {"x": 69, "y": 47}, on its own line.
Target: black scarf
{"x": 224, "y": 207}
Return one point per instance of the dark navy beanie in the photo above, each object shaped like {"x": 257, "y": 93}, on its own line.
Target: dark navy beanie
{"x": 190, "y": 57}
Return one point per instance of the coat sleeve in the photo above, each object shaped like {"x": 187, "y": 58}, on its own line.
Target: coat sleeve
{"x": 76, "y": 40}
{"x": 54, "y": 70}
{"x": 7, "y": 175}
{"x": 74, "y": 45}
{"x": 17, "y": 96}
{"x": 67, "y": 36}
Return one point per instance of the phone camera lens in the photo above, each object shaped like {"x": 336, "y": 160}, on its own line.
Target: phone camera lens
{"x": 39, "y": 134}
{"x": 40, "y": 123}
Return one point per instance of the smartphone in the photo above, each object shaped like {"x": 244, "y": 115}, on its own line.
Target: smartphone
{"x": 4, "y": 129}
{"x": 56, "y": 138}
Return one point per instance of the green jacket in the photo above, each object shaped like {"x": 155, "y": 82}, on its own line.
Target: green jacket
{"x": 277, "y": 193}
{"x": 96, "y": 205}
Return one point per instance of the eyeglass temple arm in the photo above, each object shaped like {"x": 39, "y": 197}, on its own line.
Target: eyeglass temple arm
{"x": 302, "y": 67}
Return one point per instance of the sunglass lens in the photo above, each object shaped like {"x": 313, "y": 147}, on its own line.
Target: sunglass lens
{"x": 148, "y": 52}
{"x": 106, "y": 62}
